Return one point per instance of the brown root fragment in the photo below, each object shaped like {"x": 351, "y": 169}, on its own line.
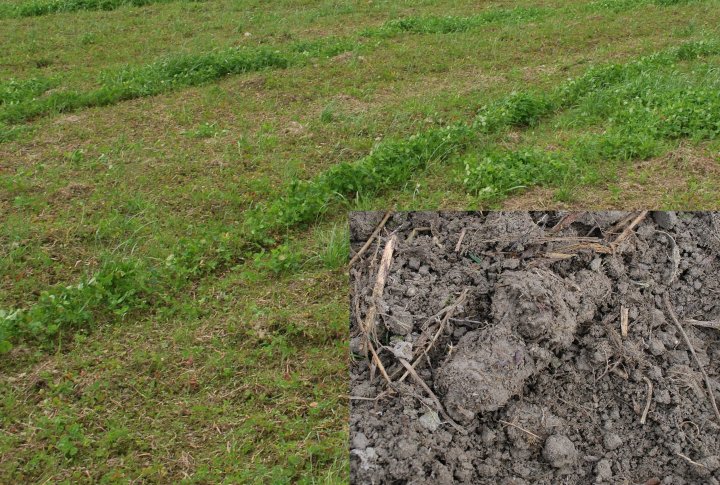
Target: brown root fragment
{"x": 705, "y": 324}
{"x": 680, "y": 328}
{"x": 643, "y": 419}
{"x": 624, "y": 313}
{"x": 624, "y": 235}
{"x": 448, "y": 314}
{"x": 432, "y": 395}
{"x": 371, "y": 238}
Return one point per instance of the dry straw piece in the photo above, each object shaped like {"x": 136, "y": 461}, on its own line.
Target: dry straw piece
{"x": 371, "y": 238}
{"x": 624, "y": 313}
{"x": 369, "y": 329}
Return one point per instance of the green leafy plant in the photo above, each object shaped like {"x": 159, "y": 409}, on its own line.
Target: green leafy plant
{"x": 494, "y": 174}
{"x": 279, "y": 260}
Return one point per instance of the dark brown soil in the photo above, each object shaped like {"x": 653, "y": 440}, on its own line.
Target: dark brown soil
{"x": 535, "y": 381}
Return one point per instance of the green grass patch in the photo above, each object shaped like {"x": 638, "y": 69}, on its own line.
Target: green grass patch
{"x": 618, "y": 6}
{"x": 451, "y": 24}
{"x": 629, "y": 114}
{"x": 159, "y": 77}
{"x": 38, "y": 8}
{"x": 448, "y": 24}
{"x": 494, "y": 174}
{"x": 25, "y": 100}
{"x": 16, "y": 91}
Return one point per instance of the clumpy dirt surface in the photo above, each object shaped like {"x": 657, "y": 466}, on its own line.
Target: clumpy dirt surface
{"x": 535, "y": 347}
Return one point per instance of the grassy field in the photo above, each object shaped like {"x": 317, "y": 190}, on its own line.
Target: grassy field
{"x": 175, "y": 177}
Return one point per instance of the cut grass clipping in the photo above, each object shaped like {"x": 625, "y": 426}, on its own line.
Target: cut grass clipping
{"x": 38, "y": 8}
{"x": 637, "y": 118}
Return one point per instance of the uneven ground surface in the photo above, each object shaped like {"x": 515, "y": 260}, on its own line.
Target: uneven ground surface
{"x": 515, "y": 322}
{"x": 155, "y": 327}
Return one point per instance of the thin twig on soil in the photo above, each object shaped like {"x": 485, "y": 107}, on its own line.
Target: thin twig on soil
{"x": 614, "y": 369}
{"x": 379, "y": 363}
{"x": 371, "y": 238}
{"x": 382, "y": 395}
{"x": 415, "y": 231}
{"x": 680, "y": 328}
{"x": 362, "y": 398}
{"x": 690, "y": 461}
{"x": 705, "y": 324}
{"x": 623, "y": 235}
{"x": 460, "y": 240}
{"x": 566, "y": 220}
{"x": 619, "y": 225}
{"x": 448, "y": 314}
{"x": 432, "y": 395}
{"x": 593, "y": 246}
{"x": 467, "y": 320}
{"x": 560, "y": 256}
{"x": 588, "y": 239}
{"x": 541, "y": 239}
{"x": 520, "y": 428}
{"x": 619, "y": 372}
{"x": 368, "y": 327}
{"x": 643, "y": 418}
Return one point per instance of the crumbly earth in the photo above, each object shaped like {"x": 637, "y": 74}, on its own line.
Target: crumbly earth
{"x": 532, "y": 378}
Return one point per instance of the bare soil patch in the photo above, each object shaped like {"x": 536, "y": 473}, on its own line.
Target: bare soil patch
{"x": 536, "y": 347}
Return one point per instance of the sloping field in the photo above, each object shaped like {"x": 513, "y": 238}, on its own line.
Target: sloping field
{"x": 175, "y": 177}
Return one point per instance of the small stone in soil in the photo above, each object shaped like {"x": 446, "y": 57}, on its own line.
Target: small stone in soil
{"x": 559, "y": 451}
{"x": 666, "y": 220}
{"x": 656, "y": 347}
{"x": 612, "y": 441}
{"x": 360, "y": 441}
{"x": 663, "y": 397}
{"x": 403, "y": 350}
{"x": 430, "y": 420}
{"x": 400, "y": 322}
{"x": 603, "y": 470}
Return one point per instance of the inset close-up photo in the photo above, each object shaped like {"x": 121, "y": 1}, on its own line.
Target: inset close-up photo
{"x": 535, "y": 347}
